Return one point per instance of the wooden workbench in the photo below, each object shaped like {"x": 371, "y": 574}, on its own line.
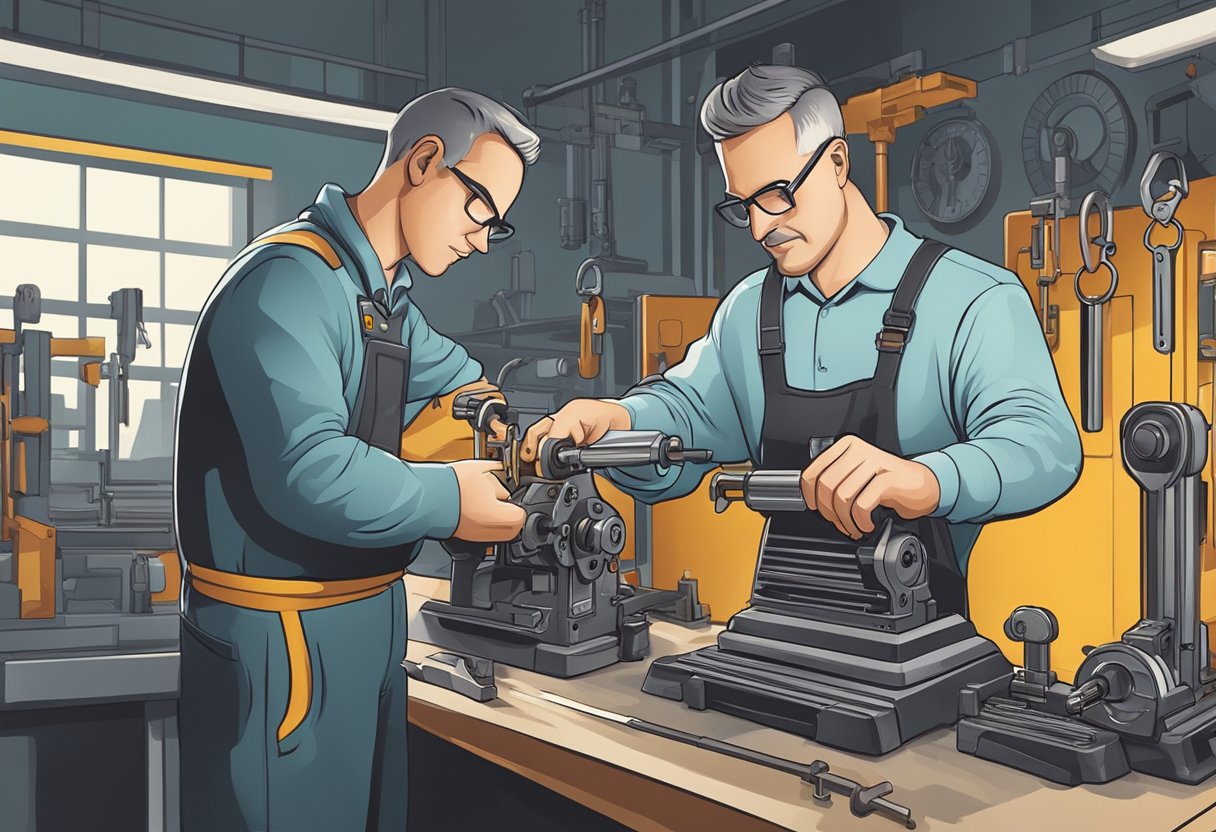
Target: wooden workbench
{"x": 649, "y": 783}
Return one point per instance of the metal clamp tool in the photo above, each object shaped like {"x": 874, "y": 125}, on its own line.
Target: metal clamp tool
{"x": 1092, "y": 306}
{"x": 1160, "y": 199}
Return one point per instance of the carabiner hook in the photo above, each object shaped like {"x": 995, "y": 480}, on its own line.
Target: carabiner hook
{"x": 1162, "y": 206}
{"x": 1097, "y": 202}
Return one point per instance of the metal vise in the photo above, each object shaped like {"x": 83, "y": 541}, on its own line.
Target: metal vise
{"x": 552, "y": 600}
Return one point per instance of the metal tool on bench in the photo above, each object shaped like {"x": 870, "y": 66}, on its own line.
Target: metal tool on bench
{"x": 842, "y": 641}
{"x": 469, "y": 676}
{"x": 552, "y": 600}
{"x": 1148, "y": 701}
{"x": 1093, "y": 307}
{"x": 1029, "y": 728}
{"x": 1160, "y": 198}
{"x": 863, "y": 800}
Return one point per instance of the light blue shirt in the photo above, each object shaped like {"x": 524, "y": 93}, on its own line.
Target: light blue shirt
{"x": 978, "y": 401}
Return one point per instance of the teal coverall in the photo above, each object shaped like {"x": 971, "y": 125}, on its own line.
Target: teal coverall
{"x": 270, "y": 482}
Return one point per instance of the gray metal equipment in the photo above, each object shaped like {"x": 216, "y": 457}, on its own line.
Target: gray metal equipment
{"x": 1093, "y": 307}
{"x": 1160, "y": 198}
{"x": 1154, "y": 686}
{"x": 467, "y": 675}
{"x": 842, "y": 641}
{"x": 552, "y": 600}
{"x": 1148, "y": 701}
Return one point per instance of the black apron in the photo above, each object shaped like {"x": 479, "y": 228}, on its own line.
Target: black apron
{"x": 379, "y": 415}
{"x": 864, "y": 408}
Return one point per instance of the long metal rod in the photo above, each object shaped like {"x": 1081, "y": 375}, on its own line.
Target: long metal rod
{"x": 862, "y": 801}
{"x": 680, "y": 45}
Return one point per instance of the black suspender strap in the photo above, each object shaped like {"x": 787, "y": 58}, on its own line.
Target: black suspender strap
{"x": 772, "y": 340}
{"x": 898, "y": 320}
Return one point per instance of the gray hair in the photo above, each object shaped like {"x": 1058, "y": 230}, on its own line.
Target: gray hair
{"x": 458, "y": 117}
{"x": 761, "y": 93}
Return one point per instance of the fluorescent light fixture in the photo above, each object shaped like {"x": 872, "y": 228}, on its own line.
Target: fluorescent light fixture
{"x": 1178, "y": 37}
{"x": 189, "y": 87}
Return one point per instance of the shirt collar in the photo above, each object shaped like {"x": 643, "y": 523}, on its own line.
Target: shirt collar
{"x": 881, "y": 274}
{"x": 332, "y": 211}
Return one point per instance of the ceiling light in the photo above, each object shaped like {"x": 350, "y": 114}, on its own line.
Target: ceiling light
{"x": 190, "y": 87}
{"x": 1168, "y": 40}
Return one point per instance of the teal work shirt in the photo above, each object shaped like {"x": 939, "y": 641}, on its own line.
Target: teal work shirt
{"x": 978, "y": 400}
{"x": 266, "y": 470}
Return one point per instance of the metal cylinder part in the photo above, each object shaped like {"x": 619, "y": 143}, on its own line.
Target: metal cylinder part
{"x": 774, "y": 491}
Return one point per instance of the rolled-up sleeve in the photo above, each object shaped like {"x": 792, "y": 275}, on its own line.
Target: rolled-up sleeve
{"x": 1021, "y": 449}
{"x": 693, "y": 400}
{"x": 276, "y": 340}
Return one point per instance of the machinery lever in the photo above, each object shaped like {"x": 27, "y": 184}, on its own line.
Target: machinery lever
{"x": 617, "y": 449}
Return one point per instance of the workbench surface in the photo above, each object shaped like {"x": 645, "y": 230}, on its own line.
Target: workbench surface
{"x": 650, "y": 783}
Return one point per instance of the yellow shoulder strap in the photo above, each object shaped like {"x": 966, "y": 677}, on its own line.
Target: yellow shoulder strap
{"x": 310, "y": 240}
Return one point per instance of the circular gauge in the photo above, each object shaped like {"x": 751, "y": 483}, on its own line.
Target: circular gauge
{"x": 954, "y": 171}
{"x": 1083, "y": 118}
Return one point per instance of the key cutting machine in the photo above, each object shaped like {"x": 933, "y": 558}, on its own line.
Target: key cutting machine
{"x": 843, "y": 640}
{"x": 551, "y": 600}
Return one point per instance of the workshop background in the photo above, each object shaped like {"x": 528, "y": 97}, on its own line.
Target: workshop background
{"x": 124, "y": 163}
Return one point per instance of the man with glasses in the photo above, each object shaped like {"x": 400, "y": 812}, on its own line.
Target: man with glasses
{"x": 295, "y": 511}
{"x": 925, "y": 364}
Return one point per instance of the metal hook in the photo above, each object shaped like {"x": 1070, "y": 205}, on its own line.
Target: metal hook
{"x": 1097, "y": 202}
{"x": 1162, "y": 207}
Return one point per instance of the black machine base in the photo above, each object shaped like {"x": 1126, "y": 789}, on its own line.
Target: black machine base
{"x": 865, "y": 691}
{"x": 456, "y": 629}
{"x": 1056, "y": 748}
{"x": 1186, "y": 750}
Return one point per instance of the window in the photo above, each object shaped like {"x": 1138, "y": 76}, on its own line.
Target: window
{"x": 81, "y": 228}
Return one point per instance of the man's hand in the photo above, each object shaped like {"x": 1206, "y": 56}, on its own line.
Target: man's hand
{"x": 851, "y": 478}
{"x": 582, "y": 420}
{"x": 485, "y": 514}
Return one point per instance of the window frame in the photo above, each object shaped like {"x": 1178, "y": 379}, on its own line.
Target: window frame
{"x": 167, "y": 377}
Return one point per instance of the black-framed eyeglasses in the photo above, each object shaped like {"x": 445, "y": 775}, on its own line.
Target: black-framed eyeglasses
{"x": 773, "y": 199}
{"x": 480, "y": 208}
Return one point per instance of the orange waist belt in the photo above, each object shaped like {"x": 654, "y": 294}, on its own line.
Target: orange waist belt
{"x": 288, "y": 597}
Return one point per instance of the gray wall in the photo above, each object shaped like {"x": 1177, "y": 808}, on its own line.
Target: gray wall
{"x": 502, "y": 48}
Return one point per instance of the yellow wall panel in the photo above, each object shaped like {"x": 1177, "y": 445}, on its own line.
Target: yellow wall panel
{"x": 1080, "y": 557}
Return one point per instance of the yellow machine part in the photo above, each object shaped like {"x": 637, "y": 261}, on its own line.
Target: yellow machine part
{"x": 719, "y": 550}
{"x": 34, "y": 546}
{"x": 1080, "y": 557}
{"x": 435, "y": 435}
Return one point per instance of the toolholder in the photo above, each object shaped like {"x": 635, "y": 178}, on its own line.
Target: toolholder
{"x": 552, "y": 600}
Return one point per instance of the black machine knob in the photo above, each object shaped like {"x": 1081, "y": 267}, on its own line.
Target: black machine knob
{"x": 1150, "y": 441}
{"x": 606, "y": 535}
{"x": 1037, "y": 628}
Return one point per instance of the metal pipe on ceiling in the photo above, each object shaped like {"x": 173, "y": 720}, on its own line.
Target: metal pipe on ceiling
{"x": 681, "y": 45}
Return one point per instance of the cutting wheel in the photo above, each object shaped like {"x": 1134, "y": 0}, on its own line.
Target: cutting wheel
{"x": 1084, "y": 115}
